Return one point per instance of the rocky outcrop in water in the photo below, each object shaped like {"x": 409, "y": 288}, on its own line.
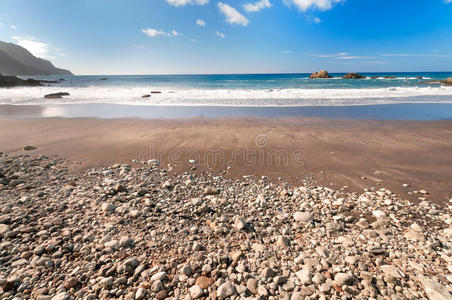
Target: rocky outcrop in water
{"x": 447, "y": 81}
{"x": 320, "y": 74}
{"x": 12, "y": 81}
{"x": 353, "y": 76}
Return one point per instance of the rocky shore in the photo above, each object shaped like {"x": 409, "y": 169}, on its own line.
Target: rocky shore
{"x": 13, "y": 81}
{"x": 145, "y": 233}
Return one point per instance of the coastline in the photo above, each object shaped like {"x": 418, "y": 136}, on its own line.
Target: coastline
{"x": 401, "y": 111}
{"x": 355, "y": 153}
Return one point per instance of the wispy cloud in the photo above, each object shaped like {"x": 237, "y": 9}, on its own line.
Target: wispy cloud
{"x": 415, "y": 55}
{"x": 156, "y": 32}
{"x": 175, "y": 33}
{"x": 286, "y": 51}
{"x": 448, "y": 1}
{"x": 257, "y": 6}
{"x": 232, "y": 15}
{"x": 329, "y": 55}
{"x": 13, "y": 27}
{"x": 36, "y": 48}
{"x": 316, "y": 20}
{"x": 185, "y": 2}
{"x": 220, "y": 34}
{"x": 355, "y": 57}
{"x": 201, "y": 23}
{"x": 137, "y": 46}
{"x": 304, "y": 5}
{"x": 1, "y": 24}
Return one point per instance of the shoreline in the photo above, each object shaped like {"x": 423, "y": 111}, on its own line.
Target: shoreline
{"x": 355, "y": 153}
{"x": 400, "y": 111}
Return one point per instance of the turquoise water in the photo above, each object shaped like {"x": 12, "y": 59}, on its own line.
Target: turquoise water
{"x": 255, "y": 81}
{"x": 254, "y": 90}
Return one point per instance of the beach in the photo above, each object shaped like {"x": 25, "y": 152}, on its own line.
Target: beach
{"x": 359, "y": 154}
{"x": 112, "y": 198}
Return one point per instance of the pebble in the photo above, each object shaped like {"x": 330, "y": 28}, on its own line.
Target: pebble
{"x": 141, "y": 233}
{"x": 343, "y": 279}
{"x": 225, "y": 290}
{"x": 196, "y": 292}
{"x": 302, "y": 216}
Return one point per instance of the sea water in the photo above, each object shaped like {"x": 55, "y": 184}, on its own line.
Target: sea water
{"x": 244, "y": 90}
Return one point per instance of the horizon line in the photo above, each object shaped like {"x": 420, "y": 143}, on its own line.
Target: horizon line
{"x": 258, "y": 73}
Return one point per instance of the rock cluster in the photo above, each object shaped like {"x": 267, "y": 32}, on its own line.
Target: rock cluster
{"x": 144, "y": 233}
{"x": 12, "y": 81}
{"x": 320, "y": 74}
{"x": 353, "y": 76}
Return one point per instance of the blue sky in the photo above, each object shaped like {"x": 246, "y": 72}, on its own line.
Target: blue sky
{"x": 233, "y": 36}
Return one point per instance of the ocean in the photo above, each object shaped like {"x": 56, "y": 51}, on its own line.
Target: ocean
{"x": 254, "y": 90}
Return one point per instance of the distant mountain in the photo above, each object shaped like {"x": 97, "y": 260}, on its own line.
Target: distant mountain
{"x": 16, "y": 60}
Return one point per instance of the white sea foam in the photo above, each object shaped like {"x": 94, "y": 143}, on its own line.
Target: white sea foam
{"x": 228, "y": 97}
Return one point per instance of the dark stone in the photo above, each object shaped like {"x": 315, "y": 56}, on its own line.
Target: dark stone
{"x": 146, "y": 96}
{"x": 353, "y": 76}
{"x": 30, "y": 148}
{"x": 156, "y": 92}
{"x": 390, "y": 77}
{"x": 56, "y": 95}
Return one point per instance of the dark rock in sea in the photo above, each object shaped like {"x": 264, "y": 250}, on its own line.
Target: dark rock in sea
{"x": 103, "y": 79}
{"x": 146, "y": 96}
{"x": 390, "y": 77}
{"x": 320, "y": 74}
{"x": 353, "y": 76}
{"x": 156, "y": 92}
{"x": 12, "y": 81}
{"x": 419, "y": 77}
{"x": 52, "y": 81}
{"x": 30, "y": 148}
{"x": 374, "y": 77}
{"x": 56, "y": 95}
{"x": 447, "y": 81}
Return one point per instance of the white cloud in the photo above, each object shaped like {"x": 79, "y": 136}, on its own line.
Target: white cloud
{"x": 257, "y": 6}
{"x": 415, "y": 55}
{"x": 448, "y": 1}
{"x": 1, "y": 24}
{"x": 185, "y": 2}
{"x": 232, "y": 15}
{"x": 153, "y": 32}
{"x": 330, "y": 55}
{"x": 156, "y": 32}
{"x": 200, "y": 22}
{"x": 36, "y": 48}
{"x": 304, "y": 5}
{"x": 13, "y": 27}
{"x": 286, "y": 51}
{"x": 220, "y": 34}
{"x": 355, "y": 57}
{"x": 316, "y": 20}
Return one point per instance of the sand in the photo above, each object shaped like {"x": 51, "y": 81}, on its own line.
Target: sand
{"x": 355, "y": 153}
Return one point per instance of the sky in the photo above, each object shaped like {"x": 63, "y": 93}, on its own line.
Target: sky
{"x": 233, "y": 36}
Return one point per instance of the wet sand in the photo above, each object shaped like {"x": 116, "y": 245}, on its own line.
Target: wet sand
{"x": 355, "y": 153}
